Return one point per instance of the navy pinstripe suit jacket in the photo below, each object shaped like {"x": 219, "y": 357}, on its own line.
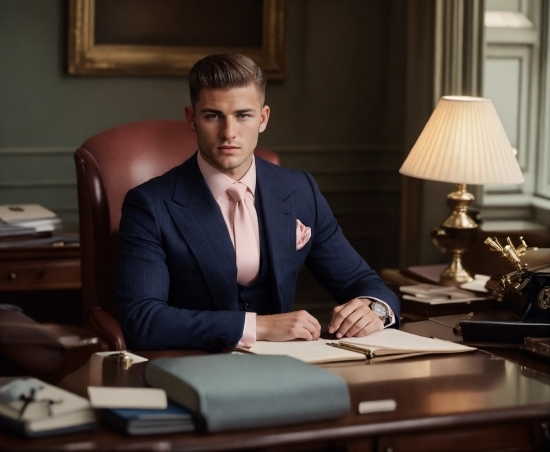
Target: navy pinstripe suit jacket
{"x": 176, "y": 273}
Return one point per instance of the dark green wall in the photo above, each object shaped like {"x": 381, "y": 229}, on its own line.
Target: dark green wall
{"x": 338, "y": 114}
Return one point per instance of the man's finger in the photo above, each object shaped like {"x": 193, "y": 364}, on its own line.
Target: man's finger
{"x": 340, "y": 315}
{"x": 355, "y": 321}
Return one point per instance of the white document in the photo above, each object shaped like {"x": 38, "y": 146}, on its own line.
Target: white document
{"x": 117, "y": 397}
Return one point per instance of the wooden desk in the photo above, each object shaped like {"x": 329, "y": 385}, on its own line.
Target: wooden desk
{"x": 44, "y": 281}
{"x": 465, "y": 402}
{"x": 39, "y": 268}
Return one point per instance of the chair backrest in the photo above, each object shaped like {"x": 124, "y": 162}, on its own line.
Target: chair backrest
{"x": 107, "y": 166}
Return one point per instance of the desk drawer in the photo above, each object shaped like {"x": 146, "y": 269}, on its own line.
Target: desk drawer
{"x": 515, "y": 436}
{"x": 40, "y": 274}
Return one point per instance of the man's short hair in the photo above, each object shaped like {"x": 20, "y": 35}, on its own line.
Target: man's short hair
{"x": 224, "y": 71}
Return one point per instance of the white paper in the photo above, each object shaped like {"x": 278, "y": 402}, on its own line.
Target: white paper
{"x": 391, "y": 339}
{"x": 309, "y": 351}
{"x": 383, "y": 343}
{"x": 116, "y": 397}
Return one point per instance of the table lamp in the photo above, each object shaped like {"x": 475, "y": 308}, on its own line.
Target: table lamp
{"x": 463, "y": 142}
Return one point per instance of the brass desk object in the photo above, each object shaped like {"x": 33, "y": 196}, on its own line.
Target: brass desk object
{"x": 122, "y": 358}
{"x": 517, "y": 280}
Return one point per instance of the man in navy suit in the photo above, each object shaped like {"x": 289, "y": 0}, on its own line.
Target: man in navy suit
{"x": 178, "y": 282}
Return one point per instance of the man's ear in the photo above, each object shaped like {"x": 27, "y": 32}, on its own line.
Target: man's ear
{"x": 264, "y": 118}
{"x": 190, "y": 115}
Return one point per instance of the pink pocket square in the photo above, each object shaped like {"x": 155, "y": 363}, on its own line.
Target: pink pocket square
{"x": 303, "y": 234}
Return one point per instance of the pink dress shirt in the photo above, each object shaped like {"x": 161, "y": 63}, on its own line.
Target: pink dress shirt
{"x": 218, "y": 183}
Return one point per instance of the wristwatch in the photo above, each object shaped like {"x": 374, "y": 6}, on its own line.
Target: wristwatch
{"x": 380, "y": 310}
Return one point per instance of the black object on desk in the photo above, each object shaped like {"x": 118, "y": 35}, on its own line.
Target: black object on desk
{"x": 506, "y": 332}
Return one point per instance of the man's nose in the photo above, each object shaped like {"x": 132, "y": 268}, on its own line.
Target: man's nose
{"x": 228, "y": 129}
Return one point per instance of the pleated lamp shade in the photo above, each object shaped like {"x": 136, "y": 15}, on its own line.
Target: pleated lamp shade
{"x": 463, "y": 142}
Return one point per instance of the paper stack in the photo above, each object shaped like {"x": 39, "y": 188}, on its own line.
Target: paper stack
{"x": 26, "y": 221}
{"x": 434, "y": 294}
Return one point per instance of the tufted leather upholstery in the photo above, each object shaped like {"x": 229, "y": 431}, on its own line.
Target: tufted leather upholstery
{"x": 107, "y": 166}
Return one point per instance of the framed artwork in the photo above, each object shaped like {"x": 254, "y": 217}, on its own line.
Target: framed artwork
{"x": 166, "y": 37}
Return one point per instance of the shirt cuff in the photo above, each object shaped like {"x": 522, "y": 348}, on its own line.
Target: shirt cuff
{"x": 249, "y": 330}
{"x": 391, "y": 317}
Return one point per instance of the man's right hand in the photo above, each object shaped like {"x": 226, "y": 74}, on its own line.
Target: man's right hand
{"x": 288, "y": 326}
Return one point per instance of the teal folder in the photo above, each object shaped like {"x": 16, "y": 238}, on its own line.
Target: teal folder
{"x": 231, "y": 392}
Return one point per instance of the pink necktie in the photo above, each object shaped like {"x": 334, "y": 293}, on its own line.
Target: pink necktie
{"x": 246, "y": 245}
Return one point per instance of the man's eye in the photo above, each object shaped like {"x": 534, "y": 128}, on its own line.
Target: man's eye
{"x": 244, "y": 115}
{"x": 211, "y": 116}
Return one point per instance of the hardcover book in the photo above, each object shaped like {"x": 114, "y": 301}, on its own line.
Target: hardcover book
{"x": 230, "y": 391}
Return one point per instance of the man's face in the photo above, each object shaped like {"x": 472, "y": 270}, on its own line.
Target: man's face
{"x": 227, "y": 123}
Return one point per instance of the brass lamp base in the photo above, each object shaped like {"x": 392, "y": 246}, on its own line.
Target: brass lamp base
{"x": 455, "y": 272}
{"x": 456, "y": 235}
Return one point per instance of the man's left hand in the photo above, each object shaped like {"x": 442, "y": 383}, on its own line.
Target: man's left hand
{"x": 354, "y": 318}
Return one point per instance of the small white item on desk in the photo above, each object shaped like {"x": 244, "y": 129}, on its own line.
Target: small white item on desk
{"x": 377, "y": 406}
{"x": 135, "y": 358}
{"x": 478, "y": 284}
{"x": 117, "y": 397}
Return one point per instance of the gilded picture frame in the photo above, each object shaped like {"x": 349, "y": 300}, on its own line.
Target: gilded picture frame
{"x": 86, "y": 57}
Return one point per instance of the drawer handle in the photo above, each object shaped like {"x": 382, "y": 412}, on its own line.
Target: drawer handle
{"x": 12, "y": 276}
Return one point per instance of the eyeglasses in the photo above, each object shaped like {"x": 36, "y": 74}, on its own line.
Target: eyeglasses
{"x": 26, "y": 391}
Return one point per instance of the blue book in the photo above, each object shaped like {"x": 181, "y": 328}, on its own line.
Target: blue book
{"x": 132, "y": 421}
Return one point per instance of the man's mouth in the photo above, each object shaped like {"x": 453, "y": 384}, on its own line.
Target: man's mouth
{"x": 227, "y": 149}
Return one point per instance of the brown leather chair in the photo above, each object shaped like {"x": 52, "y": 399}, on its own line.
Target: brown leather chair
{"x": 107, "y": 166}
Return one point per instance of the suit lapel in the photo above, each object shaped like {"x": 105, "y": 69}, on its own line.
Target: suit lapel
{"x": 278, "y": 208}
{"x": 199, "y": 220}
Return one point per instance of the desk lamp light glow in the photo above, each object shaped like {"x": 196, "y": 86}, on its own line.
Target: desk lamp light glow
{"x": 463, "y": 142}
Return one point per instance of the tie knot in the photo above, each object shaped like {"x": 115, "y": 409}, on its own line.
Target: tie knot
{"x": 237, "y": 191}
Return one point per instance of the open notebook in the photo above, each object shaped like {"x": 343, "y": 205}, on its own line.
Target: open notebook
{"x": 378, "y": 346}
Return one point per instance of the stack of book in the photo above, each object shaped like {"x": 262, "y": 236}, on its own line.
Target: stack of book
{"x": 26, "y": 221}
{"x": 140, "y": 411}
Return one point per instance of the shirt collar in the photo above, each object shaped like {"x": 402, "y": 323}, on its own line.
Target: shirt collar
{"x": 218, "y": 182}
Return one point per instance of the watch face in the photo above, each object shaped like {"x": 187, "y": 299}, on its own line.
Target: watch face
{"x": 379, "y": 309}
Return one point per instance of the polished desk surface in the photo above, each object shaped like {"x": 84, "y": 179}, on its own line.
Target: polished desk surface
{"x": 467, "y": 401}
